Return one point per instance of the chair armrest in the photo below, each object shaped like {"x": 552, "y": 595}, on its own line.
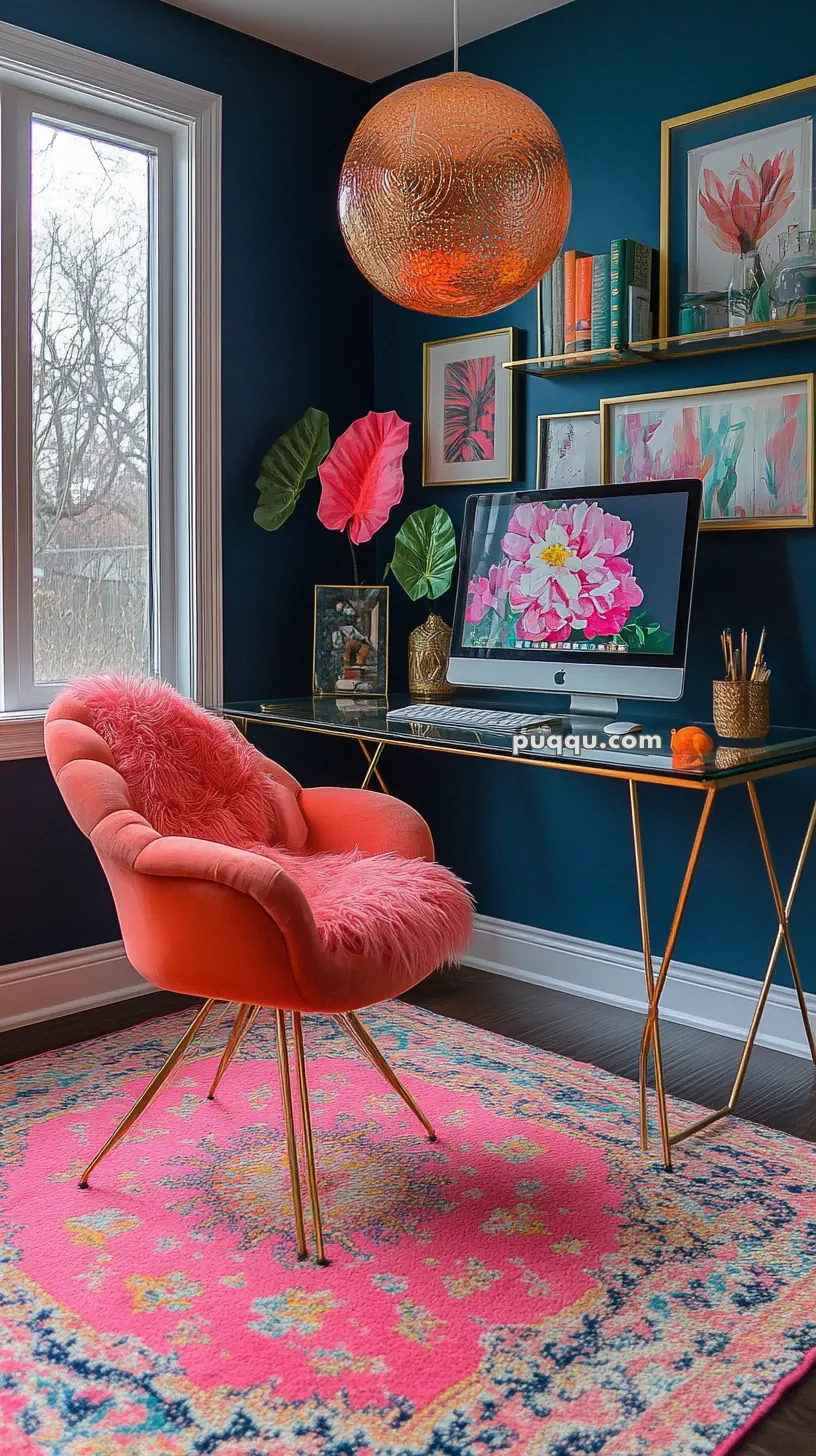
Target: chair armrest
{"x": 345, "y": 819}
{"x": 250, "y": 874}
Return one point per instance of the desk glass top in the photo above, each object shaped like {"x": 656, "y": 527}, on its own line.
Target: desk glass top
{"x": 365, "y": 718}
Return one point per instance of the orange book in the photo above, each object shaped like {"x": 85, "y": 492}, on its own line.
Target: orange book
{"x": 583, "y": 303}
{"x": 570, "y": 299}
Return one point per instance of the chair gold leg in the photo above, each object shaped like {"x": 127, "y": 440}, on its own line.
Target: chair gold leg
{"x": 150, "y": 1091}
{"x": 240, "y": 1027}
{"x": 354, "y": 1028}
{"x": 308, "y": 1138}
{"x": 291, "y": 1140}
{"x": 640, "y": 869}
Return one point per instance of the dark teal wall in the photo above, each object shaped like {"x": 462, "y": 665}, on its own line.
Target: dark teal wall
{"x": 538, "y": 847}
{"x": 296, "y": 331}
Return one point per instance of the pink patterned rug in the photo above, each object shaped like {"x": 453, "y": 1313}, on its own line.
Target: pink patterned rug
{"x": 528, "y": 1284}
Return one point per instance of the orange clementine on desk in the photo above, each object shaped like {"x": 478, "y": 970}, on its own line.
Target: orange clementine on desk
{"x": 691, "y": 740}
{"x": 690, "y": 746}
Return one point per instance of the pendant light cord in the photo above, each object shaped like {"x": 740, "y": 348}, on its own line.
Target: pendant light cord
{"x": 456, "y": 35}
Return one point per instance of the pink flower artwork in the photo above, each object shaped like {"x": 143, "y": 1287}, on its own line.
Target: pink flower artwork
{"x": 488, "y": 592}
{"x": 568, "y": 571}
{"x": 469, "y": 424}
{"x": 740, "y": 212}
{"x": 361, "y": 478}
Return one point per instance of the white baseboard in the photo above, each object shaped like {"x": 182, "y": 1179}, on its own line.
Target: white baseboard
{"x": 74, "y": 980}
{"x": 711, "y": 1000}
{"x": 57, "y": 985}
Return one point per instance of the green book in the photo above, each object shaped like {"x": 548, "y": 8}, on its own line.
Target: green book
{"x": 557, "y": 272}
{"x": 545, "y": 316}
{"x": 600, "y": 301}
{"x": 621, "y": 260}
{"x": 629, "y": 263}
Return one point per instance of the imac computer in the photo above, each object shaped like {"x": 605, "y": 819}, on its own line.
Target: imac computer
{"x": 585, "y": 592}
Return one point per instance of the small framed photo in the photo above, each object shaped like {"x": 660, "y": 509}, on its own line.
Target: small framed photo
{"x": 569, "y": 450}
{"x": 751, "y": 445}
{"x": 736, "y": 179}
{"x": 350, "y": 641}
{"x": 468, "y": 427}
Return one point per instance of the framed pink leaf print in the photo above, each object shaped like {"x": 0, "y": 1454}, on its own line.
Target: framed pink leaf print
{"x": 468, "y": 425}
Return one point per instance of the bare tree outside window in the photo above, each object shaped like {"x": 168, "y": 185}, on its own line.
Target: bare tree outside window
{"x": 90, "y": 324}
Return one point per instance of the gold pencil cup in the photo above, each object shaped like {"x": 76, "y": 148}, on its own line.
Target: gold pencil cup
{"x": 742, "y": 709}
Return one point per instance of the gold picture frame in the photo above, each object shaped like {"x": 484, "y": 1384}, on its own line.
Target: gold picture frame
{"x": 541, "y": 421}
{"x": 505, "y": 386}
{"x": 744, "y": 523}
{"x": 667, "y": 130}
{"x": 329, "y": 658}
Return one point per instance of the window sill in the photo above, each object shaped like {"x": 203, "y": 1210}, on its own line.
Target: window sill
{"x": 21, "y": 735}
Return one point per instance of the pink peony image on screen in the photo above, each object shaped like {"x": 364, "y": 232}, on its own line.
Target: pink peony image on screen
{"x": 488, "y": 591}
{"x": 568, "y": 572}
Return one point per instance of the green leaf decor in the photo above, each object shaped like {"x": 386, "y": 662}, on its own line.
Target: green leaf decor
{"x": 425, "y": 553}
{"x": 286, "y": 467}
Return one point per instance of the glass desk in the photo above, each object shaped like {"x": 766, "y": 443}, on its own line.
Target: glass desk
{"x": 649, "y": 760}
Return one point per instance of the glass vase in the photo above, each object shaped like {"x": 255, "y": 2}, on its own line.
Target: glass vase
{"x": 747, "y": 277}
{"x": 792, "y": 285}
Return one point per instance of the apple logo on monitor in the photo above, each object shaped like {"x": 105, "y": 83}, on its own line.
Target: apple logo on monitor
{"x": 560, "y": 677}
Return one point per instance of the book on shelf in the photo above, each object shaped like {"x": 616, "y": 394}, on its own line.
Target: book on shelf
{"x": 583, "y": 304}
{"x": 631, "y": 264}
{"x": 571, "y": 257}
{"x": 639, "y": 317}
{"x": 557, "y": 272}
{"x": 545, "y": 316}
{"x": 599, "y": 329}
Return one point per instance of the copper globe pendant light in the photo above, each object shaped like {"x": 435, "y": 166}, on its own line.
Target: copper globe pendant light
{"x": 454, "y": 196}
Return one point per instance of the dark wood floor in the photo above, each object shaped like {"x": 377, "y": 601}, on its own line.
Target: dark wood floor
{"x": 780, "y": 1091}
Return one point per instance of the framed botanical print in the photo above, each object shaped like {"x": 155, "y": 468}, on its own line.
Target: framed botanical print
{"x": 569, "y": 450}
{"x": 469, "y": 415}
{"x": 350, "y": 641}
{"x": 735, "y": 180}
{"x": 751, "y": 445}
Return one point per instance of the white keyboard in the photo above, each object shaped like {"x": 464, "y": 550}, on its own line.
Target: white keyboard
{"x": 487, "y": 719}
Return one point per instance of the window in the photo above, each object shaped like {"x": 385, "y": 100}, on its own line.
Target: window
{"x": 109, "y": 379}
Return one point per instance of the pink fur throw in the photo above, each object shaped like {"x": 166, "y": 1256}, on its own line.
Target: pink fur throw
{"x": 190, "y": 773}
{"x": 187, "y": 771}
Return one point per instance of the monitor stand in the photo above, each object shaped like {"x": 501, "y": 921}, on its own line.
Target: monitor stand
{"x": 591, "y": 713}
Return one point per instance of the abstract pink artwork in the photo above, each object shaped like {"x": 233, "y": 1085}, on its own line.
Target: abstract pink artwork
{"x": 750, "y": 445}
{"x": 470, "y": 409}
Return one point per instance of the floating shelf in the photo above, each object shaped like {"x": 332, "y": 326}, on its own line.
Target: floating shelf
{"x": 678, "y": 346}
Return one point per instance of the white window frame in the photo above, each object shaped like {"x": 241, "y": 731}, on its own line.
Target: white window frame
{"x": 182, "y": 125}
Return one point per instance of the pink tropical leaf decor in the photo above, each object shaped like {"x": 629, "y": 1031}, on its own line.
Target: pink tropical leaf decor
{"x": 739, "y": 215}
{"x": 362, "y": 478}
{"x": 469, "y": 428}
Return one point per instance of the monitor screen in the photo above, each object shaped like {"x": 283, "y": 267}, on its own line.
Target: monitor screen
{"x": 590, "y": 575}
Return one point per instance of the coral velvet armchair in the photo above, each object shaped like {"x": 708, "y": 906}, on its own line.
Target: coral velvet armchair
{"x": 233, "y": 883}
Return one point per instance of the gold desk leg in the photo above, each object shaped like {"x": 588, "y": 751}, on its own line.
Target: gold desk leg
{"x": 373, "y": 759}
{"x": 150, "y": 1091}
{"x": 648, "y": 966}
{"x": 654, "y": 1006}
{"x": 308, "y": 1137}
{"x": 291, "y": 1140}
{"x": 354, "y": 1028}
{"x": 240, "y": 1027}
{"x": 782, "y": 910}
{"x": 771, "y": 967}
